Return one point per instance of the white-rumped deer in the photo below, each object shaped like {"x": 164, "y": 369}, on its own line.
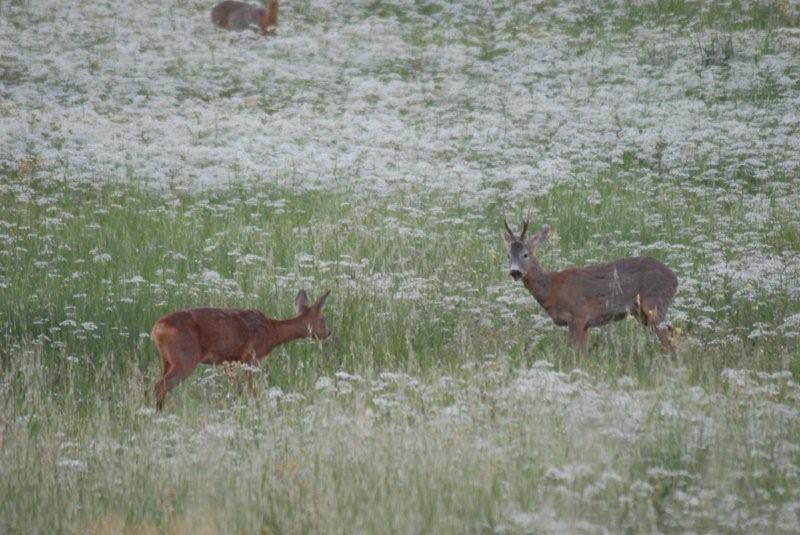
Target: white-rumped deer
{"x": 235, "y": 15}
{"x": 594, "y": 295}
{"x": 195, "y": 336}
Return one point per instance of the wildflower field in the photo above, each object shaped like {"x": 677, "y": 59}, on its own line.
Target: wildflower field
{"x": 150, "y": 162}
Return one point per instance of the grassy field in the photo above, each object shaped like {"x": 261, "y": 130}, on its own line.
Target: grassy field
{"x": 153, "y": 163}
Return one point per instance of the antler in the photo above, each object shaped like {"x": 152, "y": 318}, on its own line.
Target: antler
{"x": 508, "y": 228}
{"x": 525, "y": 226}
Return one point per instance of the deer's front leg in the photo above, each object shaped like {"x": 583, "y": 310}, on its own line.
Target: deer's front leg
{"x": 578, "y": 334}
{"x": 250, "y": 361}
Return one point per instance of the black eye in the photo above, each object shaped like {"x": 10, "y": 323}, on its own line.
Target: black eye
{"x": 525, "y": 255}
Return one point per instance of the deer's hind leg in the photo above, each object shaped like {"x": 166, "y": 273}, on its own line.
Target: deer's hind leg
{"x": 180, "y": 353}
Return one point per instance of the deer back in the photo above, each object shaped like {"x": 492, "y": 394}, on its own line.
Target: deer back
{"x": 604, "y": 292}
{"x": 222, "y": 334}
{"x": 235, "y": 15}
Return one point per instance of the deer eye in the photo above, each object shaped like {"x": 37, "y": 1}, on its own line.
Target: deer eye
{"x": 525, "y": 255}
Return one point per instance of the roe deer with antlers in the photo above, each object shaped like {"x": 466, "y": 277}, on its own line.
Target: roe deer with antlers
{"x": 216, "y": 335}
{"x": 594, "y": 295}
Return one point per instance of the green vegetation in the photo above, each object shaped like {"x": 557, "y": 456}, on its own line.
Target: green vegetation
{"x": 418, "y": 291}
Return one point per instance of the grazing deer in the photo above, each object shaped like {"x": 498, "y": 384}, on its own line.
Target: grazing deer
{"x": 217, "y": 335}
{"x": 235, "y": 15}
{"x": 592, "y": 296}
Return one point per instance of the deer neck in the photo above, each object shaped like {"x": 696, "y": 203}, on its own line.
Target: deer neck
{"x": 283, "y": 331}
{"x": 537, "y": 281}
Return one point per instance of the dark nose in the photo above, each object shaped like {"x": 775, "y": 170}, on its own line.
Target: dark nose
{"x": 515, "y": 274}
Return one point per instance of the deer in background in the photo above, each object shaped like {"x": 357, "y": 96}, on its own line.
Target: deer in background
{"x": 235, "y": 15}
{"x": 217, "y": 335}
{"x": 595, "y": 295}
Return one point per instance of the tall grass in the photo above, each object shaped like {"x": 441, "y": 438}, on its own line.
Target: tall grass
{"x": 461, "y": 434}
{"x": 87, "y": 272}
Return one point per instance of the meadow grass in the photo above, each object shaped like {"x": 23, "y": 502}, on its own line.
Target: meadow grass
{"x": 439, "y": 406}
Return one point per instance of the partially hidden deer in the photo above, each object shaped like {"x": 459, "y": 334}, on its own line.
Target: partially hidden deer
{"x": 235, "y": 15}
{"x": 195, "y": 336}
{"x": 592, "y": 296}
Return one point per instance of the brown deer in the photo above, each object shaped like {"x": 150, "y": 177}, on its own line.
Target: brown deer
{"x": 594, "y": 295}
{"x": 235, "y": 15}
{"x": 195, "y": 336}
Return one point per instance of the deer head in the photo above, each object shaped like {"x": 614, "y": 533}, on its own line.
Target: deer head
{"x": 521, "y": 252}
{"x": 312, "y": 315}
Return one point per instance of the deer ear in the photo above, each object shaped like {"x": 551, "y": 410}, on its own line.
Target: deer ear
{"x": 301, "y": 301}
{"x": 321, "y": 301}
{"x": 538, "y": 239}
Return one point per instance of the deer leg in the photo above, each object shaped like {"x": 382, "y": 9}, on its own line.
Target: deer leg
{"x": 233, "y": 371}
{"x": 250, "y": 361}
{"x": 251, "y": 383}
{"x": 583, "y": 339}
{"x": 177, "y": 352}
{"x": 164, "y": 366}
{"x": 578, "y": 335}
{"x": 172, "y": 379}
{"x": 159, "y": 388}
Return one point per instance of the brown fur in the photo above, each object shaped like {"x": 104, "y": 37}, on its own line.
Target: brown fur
{"x": 235, "y": 15}
{"x": 195, "y": 336}
{"x": 592, "y": 296}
